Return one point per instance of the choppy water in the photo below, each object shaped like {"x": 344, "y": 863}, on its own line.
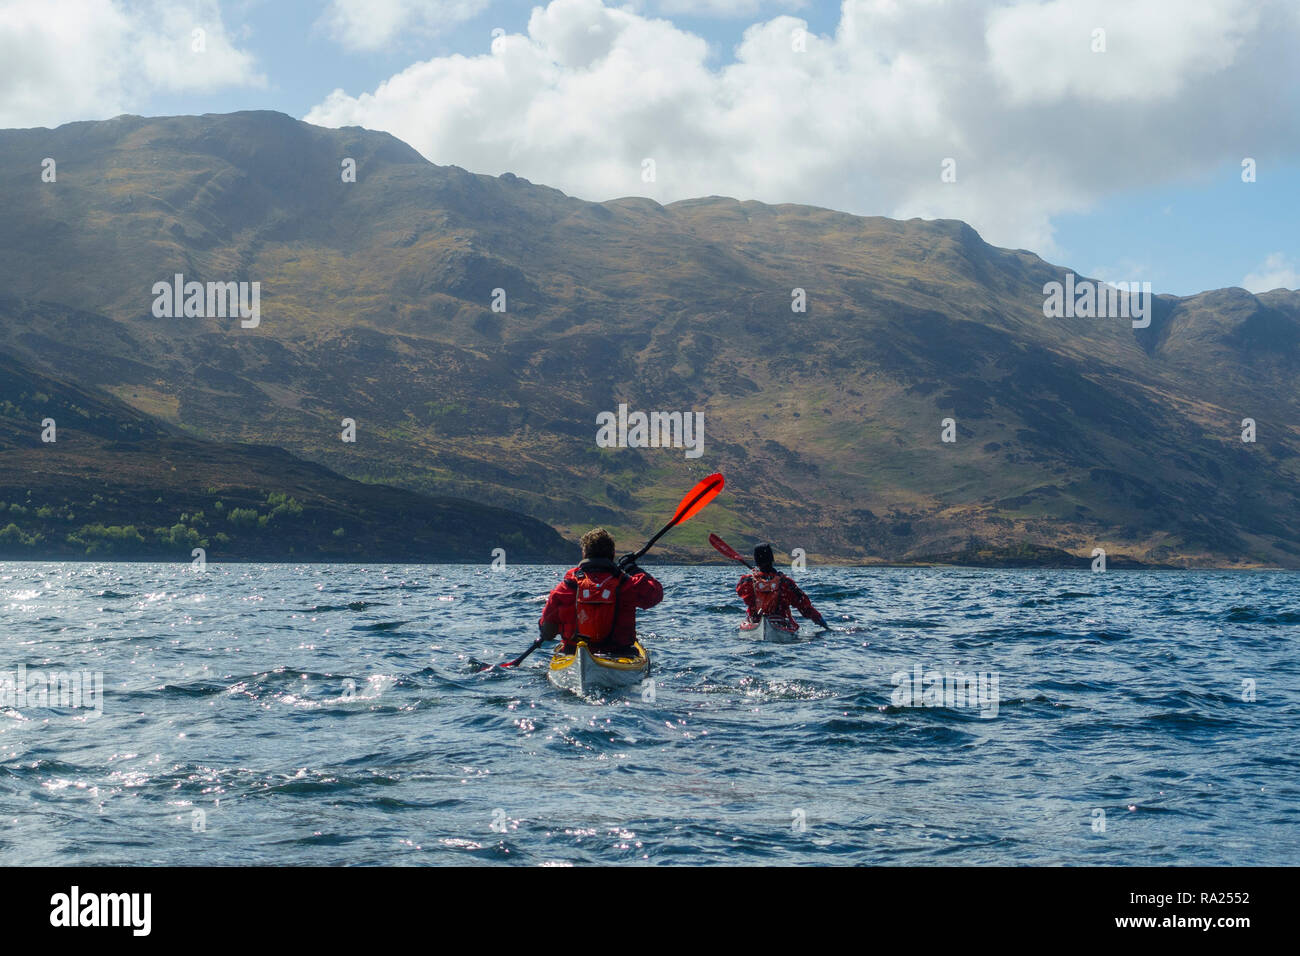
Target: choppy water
{"x": 228, "y": 693}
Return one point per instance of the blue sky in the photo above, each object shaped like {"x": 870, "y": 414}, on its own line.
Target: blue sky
{"x": 1122, "y": 163}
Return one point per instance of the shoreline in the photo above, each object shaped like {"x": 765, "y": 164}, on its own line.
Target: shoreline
{"x": 1083, "y": 564}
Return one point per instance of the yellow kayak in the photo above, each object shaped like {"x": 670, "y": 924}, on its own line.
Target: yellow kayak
{"x": 584, "y": 671}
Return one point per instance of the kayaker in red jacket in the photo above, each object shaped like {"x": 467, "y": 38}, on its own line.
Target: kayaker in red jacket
{"x": 769, "y": 593}
{"x": 597, "y": 601}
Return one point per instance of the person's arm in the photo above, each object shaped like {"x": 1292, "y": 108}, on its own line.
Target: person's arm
{"x": 746, "y": 591}
{"x": 804, "y": 605}
{"x": 641, "y": 585}
{"x": 645, "y": 590}
{"x": 559, "y": 605}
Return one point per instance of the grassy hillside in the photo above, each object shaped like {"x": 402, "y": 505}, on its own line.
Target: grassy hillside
{"x": 113, "y": 484}
{"x": 376, "y": 306}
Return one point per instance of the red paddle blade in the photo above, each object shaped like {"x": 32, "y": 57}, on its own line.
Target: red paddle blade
{"x": 698, "y": 497}
{"x": 726, "y": 549}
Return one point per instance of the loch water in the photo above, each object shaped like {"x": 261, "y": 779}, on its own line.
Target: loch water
{"x": 332, "y": 714}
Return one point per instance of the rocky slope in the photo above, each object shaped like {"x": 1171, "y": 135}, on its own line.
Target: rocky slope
{"x": 376, "y": 305}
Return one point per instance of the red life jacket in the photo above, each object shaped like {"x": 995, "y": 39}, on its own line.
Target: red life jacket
{"x": 767, "y": 594}
{"x": 596, "y": 604}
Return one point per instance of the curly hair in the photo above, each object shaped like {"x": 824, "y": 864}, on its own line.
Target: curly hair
{"x": 597, "y": 543}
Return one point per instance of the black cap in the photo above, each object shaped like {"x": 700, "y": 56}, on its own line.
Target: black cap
{"x": 763, "y": 556}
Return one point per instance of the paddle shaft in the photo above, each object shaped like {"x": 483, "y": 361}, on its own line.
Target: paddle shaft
{"x": 728, "y": 551}
{"x": 683, "y": 510}
{"x": 736, "y": 557}
{"x": 531, "y": 647}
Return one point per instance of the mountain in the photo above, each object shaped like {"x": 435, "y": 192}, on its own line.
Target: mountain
{"x": 114, "y": 483}
{"x": 376, "y": 305}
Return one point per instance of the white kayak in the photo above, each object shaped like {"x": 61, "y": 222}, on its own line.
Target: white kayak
{"x": 774, "y": 630}
{"x": 583, "y": 671}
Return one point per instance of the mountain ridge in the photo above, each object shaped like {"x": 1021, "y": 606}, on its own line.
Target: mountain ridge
{"x": 1070, "y": 433}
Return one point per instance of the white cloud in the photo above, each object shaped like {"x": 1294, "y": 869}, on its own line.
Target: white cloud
{"x": 373, "y": 24}
{"x": 1275, "y": 272}
{"x": 1100, "y": 50}
{"x": 724, "y": 8}
{"x": 864, "y": 117}
{"x": 63, "y": 60}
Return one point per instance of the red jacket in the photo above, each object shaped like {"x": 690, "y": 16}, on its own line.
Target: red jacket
{"x": 635, "y": 591}
{"x": 789, "y": 596}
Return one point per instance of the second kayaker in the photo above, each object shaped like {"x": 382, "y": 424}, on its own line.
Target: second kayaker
{"x": 769, "y": 593}
{"x": 597, "y": 601}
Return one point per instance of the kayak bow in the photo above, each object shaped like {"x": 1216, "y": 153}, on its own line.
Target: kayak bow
{"x": 583, "y": 671}
{"x": 773, "y": 630}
